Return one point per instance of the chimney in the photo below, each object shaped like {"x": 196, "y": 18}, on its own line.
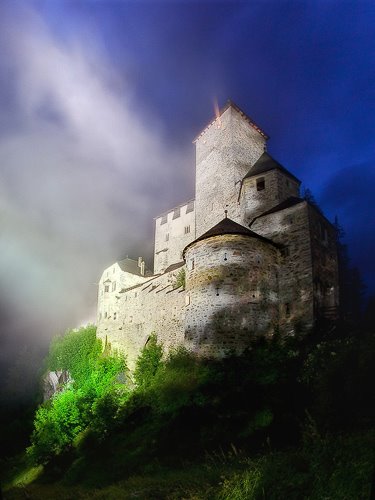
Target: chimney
{"x": 141, "y": 265}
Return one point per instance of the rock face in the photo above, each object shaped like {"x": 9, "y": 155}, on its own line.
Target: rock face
{"x": 54, "y": 382}
{"x": 257, "y": 257}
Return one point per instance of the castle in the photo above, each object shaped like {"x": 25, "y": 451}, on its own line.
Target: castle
{"x": 248, "y": 256}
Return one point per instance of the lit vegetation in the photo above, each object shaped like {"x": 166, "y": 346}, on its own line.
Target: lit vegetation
{"x": 288, "y": 419}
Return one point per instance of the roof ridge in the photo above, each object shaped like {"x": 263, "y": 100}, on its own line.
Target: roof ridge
{"x": 229, "y": 103}
{"x": 229, "y": 226}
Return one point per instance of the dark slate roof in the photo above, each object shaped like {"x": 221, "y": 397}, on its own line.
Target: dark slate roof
{"x": 231, "y": 104}
{"x": 131, "y": 266}
{"x": 172, "y": 267}
{"x": 228, "y": 226}
{"x": 266, "y": 163}
{"x": 289, "y": 202}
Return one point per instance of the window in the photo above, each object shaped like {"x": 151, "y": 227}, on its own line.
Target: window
{"x": 187, "y": 229}
{"x": 287, "y": 310}
{"x": 106, "y": 315}
{"x": 114, "y": 315}
{"x": 167, "y": 237}
{"x": 192, "y": 264}
{"x": 285, "y": 251}
{"x": 261, "y": 184}
{"x": 106, "y": 288}
{"x": 176, "y": 213}
{"x": 190, "y": 207}
{"x": 113, "y": 286}
{"x": 164, "y": 219}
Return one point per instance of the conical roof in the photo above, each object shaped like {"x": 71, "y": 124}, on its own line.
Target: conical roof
{"x": 228, "y": 226}
{"x": 266, "y": 163}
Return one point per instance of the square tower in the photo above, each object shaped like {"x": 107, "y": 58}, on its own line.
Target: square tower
{"x": 224, "y": 151}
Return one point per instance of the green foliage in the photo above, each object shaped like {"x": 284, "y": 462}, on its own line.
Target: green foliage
{"x": 178, "y": 381}
{"x": 148, "y": 362}
{"x": 85, "y": 403}
{"x": 75, "y": 351}
{"x": 335, "y": 468}
{"x": 180, "y": 279}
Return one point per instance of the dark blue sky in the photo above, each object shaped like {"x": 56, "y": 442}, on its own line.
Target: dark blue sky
{"x": 100, "y": 101}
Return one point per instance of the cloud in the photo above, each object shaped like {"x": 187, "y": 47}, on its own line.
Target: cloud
{"x": 83, "y": 168}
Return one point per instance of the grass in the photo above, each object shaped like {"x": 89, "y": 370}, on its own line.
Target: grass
{"x": 334, "y": 468}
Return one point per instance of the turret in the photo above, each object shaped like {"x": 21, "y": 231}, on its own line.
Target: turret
{"x": 231, "y": 289}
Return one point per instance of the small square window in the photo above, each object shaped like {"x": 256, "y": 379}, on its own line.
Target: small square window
{"x": 106, "y": 288}
{"x": 261, "y": 184}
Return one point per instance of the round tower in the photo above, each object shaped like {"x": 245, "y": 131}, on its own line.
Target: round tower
{"x": 231, "y": 289}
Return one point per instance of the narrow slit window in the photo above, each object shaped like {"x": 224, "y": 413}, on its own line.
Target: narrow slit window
{"x": 187, "y": 229}
{"x": 261, "y": 184}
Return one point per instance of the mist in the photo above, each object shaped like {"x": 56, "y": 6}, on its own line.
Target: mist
{"x": 83, "y": 169}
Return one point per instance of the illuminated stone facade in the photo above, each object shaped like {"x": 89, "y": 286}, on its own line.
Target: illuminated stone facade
{"x": 257, "y": 257}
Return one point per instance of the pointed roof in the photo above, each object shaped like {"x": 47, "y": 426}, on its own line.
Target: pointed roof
{"x": 266, "y": 163}
{"x": 228, "y": 226}
{"x": 231, "y": 104}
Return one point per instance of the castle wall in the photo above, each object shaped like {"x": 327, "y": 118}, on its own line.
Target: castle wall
{"x": 232, "y": 289}
{"x": 237, "y": 286}
{"x": 224, "y": 153}
{"x": 173, "y": 231}
{"x": 153, "y": 306}
{"x": 290, "y": 227}
{"x": 324, "y": 265}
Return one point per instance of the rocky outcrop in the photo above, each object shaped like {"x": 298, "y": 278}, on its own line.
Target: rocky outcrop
{"x": 54, "y": 382}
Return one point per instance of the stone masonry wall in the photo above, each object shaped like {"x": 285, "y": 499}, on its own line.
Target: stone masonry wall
{"x": 173, "y": 231}
{"x": 325, "y": 266}
{"x": 224, "y": 153}
{"x": 153, "y": 306}
{"x": 231, "y": 287}
{"x": 290, "y": 227}
{"x": 278, "y": 187}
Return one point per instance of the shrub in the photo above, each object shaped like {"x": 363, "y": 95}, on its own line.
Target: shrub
{"x": 148, "y": 362}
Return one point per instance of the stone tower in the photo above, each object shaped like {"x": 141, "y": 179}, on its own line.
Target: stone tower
{"x": 225, "y": 150}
